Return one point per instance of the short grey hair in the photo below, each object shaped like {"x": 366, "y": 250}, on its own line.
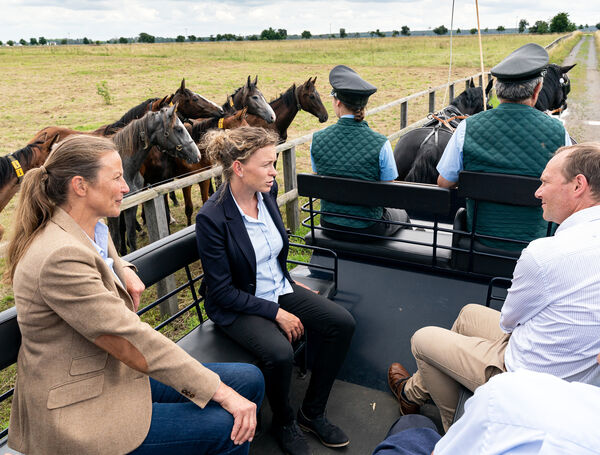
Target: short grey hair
{"x": 517, "y": 91}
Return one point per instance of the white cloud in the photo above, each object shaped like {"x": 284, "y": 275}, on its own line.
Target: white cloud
{"x": 104, "y": 19}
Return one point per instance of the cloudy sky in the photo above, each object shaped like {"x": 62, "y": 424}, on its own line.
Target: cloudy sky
{"x": 105, "y": 19}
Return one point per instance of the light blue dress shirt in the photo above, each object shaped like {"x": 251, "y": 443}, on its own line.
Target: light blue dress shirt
{"x": 267, "y": 243}
{"x": 100, "y": 242}
{"x": 527, "y": 413}
{"x": 553, "y": 306}
{"x": 451, "y": 162}
{"x": 387, "y": 163}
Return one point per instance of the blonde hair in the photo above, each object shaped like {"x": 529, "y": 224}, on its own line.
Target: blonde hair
{"x": 46, "y": 187}
{"x": 227, "y": 146}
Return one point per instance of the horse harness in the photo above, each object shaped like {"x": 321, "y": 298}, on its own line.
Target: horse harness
{"x": 440, "y": 119}
{"x": 17, "y": 167}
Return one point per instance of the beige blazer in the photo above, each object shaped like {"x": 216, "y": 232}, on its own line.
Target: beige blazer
{"x": 71, "y": 396}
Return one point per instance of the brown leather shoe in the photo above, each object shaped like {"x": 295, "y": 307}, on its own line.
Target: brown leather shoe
{"x": 397, "y": 377}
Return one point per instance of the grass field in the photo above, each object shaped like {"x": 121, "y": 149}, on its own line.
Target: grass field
{"x": 44, "y": 86}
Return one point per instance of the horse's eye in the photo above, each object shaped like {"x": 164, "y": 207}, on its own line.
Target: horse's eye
{"x": 312, "y": 97}
{"x": 255, "y": 97}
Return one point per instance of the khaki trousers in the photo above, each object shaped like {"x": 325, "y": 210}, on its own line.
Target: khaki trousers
{"x": 468, "y": 354}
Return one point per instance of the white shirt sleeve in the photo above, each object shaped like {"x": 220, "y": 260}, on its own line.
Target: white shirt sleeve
{"x": 451, "y": 162}
{"x": 527, "y": 294}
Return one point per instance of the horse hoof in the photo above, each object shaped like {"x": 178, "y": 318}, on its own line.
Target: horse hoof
{"x": 172, "y": 221}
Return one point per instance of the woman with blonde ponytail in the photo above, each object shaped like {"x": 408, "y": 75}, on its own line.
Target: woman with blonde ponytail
{"x": 351, "y": 149}
{"x": 85, "y": 359}
{"x": 249, "y": 293}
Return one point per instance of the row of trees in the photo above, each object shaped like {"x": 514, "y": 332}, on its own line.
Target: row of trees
{"x": 558, "y": 24}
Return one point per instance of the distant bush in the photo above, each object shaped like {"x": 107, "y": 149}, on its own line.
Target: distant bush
{"x": 441, "y": 30}
{"x": 180, "y": 39}
{"x": 539, "y": 27}
{"x": 33, "y": 41}
{"x": 473, "y": 31}
{"x": 146, "y": 38}
{"x": 500, "y": 29}
{"x": 102, "y": 90}
{"x": 123, "y": 40}
{"x": 306, "y": 34}
{"x": 22, "y": 42}
{"x": 561, "y": 24}
{"x": 523, "y": 24}
{"x": 405, "y": 30}
{"x": 271, "y": 34}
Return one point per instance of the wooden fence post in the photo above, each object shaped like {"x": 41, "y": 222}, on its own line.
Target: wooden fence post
{"x": 158, "y": 227}
{"x": 432, "y": 101}
{"x": 403, "y": 115}
{"x": 451, "y": 92}
{"x": 467, "y": 84}
{"x": 290, "y": 182}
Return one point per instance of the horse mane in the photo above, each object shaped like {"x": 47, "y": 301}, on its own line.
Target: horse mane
{"x": 201, "y": 127}
{"x": 128, "y": 140}
{"x": 132, "y": 114}
{"x": 288, "y": 97}
{"x": 24, "y": 156}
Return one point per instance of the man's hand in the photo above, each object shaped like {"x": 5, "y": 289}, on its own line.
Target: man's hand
{"x": 134, "y": 286}
{"x": 290, "y": 324}
{"x": 242, "y": 410}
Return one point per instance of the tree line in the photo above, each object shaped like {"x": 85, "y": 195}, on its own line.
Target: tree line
{"x": 558, "y": 24}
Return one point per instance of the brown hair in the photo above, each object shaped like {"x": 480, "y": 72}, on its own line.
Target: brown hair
{"x": 227, "y": 146}
{"x": 583, "y": 159}
{"x": 46, "y": 187}
{"x": 359, "y": 112}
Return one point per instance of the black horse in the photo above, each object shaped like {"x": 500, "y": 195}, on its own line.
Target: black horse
{"x": 418, "y": 152}
{"x": 553, "y": 97}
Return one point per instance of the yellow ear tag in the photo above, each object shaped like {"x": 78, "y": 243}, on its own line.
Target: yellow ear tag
{"x": 221, "y": 123}
{"x": 230, "y": 102}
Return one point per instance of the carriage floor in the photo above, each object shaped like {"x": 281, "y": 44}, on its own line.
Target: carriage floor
{"x": 389, "y": 303}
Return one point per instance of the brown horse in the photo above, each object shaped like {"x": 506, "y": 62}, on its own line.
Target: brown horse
{"x": 159, "y": 167}
{"x": 294, "y": 99}
{"x": 189, "y": 105}
{"x": 14, "y": 165}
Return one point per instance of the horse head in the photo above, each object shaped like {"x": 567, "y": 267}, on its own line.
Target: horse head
{"x": 309, "y": 100}
{"x": 165, "y": 129}
{"x": 193, "y": 105}
{"x": 470, "y": 101}
{"x": 251, "y": 97}
{"x": 556, "y": 87}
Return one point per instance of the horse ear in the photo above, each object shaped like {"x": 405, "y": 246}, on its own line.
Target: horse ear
{"x": 53, "y": 141}
{"x": 256, "y": 80}
{"x": 471, "y": 83}
{"x": 182, "y": 88}
{"x": 249, "y": 82}
{"x": 168, "y": 99}
{"x": 245, "y": 112}
{"x": 488, "y": 87}
{"x": 566, "y": 69}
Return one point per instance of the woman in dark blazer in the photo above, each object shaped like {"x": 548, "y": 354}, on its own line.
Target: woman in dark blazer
{"x": 249, "y": 293}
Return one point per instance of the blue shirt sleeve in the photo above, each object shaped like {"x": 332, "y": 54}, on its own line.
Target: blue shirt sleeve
{"x": 568, "y": 138}
{"x": 387, "y": 163}
{"x": 451, "y": 162}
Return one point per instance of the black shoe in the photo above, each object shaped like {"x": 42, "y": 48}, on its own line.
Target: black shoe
{"x": 291, "y": 439}
{"x": 329, "y": 434}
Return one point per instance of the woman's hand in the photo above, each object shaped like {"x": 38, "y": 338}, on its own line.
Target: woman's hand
{"x": 134, "y": 286}
{"x": 290, "y": 324}
{"x": 242, "y": 410}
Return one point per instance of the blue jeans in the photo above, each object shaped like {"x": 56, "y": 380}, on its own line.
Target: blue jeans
{"x": 180, "y": 427}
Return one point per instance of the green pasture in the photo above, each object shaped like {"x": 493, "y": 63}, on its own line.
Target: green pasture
{"x": 57, "y": 85}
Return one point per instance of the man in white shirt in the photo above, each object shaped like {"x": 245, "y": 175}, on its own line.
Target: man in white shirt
{"x": 551, "y": 317}
{"x": 513, "y": 413}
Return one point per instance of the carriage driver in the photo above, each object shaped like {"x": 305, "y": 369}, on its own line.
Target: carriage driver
{"x": 351, "y": 149}
{"x": 513, "y": 138}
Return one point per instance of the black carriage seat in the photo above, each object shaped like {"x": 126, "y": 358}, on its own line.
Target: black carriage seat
{"x": 423, "y": 245}
{"x": 515, "y": 190}
{"x": 206, "y": 342}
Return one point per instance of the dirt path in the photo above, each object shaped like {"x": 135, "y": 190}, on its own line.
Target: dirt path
{"x": 582, "y": 118}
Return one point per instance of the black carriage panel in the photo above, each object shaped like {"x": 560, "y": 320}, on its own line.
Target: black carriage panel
{"x": 470, "y": 253}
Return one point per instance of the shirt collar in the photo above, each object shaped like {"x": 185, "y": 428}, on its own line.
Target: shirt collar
{"x": 100, "y": 240}
{"x": 581, "y": 216}
{"x": 347, "y": 116}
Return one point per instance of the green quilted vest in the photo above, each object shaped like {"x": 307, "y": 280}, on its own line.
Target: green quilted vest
{"x": 510, "y": 139}
{"x": 348, "y": 149}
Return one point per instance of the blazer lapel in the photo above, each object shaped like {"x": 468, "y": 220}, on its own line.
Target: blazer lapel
{"x": 237, "y": 227}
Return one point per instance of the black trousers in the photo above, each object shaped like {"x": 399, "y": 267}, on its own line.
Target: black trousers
{"x": 263, "y": 337}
